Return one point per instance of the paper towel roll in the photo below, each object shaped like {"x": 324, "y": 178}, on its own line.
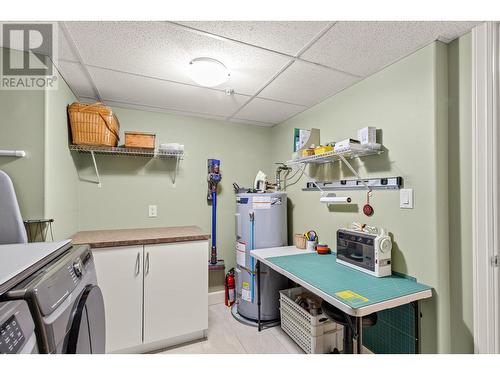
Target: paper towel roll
{"x": 333, "y": 199}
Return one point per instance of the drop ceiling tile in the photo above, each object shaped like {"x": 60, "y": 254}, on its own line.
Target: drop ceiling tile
{"x": 363, "y": 48}
{"x": 307, "y": 84}
{"x": 115, "y": 104}
{"x": 286, "y": 37}
{"x": 162, "y": 50}
{"x": 133, "y": 89}
{"x": 250, "y": 122}
{"x": 269, "y": 111}
{"x": 75, "y": 77}
{"x": 65, "y": 48}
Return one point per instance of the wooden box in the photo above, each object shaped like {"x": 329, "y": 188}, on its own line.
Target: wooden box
{"x": 140, "y": 140}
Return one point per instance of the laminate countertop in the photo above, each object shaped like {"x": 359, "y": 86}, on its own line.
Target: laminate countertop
{"x": 142, "y": 236}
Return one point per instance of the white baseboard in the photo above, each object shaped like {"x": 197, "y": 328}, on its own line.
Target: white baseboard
{"x": 164, "y": 344}
{"x": 215, "y": 298}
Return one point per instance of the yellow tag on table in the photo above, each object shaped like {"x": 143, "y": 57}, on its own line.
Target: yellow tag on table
{"x": 350, "y": 296}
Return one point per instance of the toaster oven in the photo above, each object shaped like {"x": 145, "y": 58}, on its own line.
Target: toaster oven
{"x": 366, "y": 252}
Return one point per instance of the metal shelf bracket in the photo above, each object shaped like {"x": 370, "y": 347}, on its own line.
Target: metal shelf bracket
{"x": 177, "y": 160}
{"x": 99, "y": 184}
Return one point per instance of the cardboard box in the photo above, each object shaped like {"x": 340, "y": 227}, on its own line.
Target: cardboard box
{"x": 140, "y": 140}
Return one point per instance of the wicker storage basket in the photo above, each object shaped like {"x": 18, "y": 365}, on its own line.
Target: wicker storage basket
{"x": 93, "y": 124}
{"x": 300, "y": 241}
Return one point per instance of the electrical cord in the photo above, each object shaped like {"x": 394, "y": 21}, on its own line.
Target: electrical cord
{"x": 298, "y": 178}
{"x": 292, "y": 176}
{"x": 313, "y": 180}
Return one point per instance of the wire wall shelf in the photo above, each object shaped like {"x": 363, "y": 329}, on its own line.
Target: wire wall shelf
{"x": 127, "y": 151}
{"x": 332, "y": 156}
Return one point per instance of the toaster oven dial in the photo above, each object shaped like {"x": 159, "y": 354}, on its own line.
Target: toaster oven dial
{"x": 385, "y": 245}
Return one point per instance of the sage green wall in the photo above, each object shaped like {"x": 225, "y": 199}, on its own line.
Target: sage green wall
{"x": 61, "y": 177}
{"x": 422, "y": 104}
{"x": 46, "y": 179}
{"x": 131, "y": 184}
{"x": 22, "y": 128}
{"x": 407, "y": 100}
{"x": 460, "y": 193}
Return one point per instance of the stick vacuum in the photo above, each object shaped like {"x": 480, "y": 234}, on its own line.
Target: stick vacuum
{"x": 214, "y": 178}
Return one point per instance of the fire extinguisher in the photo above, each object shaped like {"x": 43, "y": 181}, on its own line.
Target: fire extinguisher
{"x": 229, "y": 284}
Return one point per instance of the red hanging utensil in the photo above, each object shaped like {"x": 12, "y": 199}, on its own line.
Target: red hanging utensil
{"x": 367, "y": 208}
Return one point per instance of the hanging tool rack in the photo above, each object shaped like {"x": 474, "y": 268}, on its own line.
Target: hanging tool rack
{"x": 333, "y": 156}
{"x": 385, "y": 183}
{"x": 344, "y": 157}
{"x": 127, "y": 151}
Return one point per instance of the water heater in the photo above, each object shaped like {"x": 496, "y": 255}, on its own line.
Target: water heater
{"x": 261, "y": 222}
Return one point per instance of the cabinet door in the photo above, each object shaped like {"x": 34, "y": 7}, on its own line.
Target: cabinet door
{"x": 175, "y": 289}
{"x": 120, "y": 277}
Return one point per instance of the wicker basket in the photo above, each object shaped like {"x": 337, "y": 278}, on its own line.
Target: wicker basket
{"x": 93, "y": 124}
{"x": 300, "y": 241}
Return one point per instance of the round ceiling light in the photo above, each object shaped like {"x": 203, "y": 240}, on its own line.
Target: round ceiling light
{"x": 208, "y": 72}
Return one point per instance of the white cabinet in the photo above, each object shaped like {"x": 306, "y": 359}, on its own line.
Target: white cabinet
{"x": 175, "y": 290}
{"x": 120, "y": 277}
{"x": 154, "y": 295}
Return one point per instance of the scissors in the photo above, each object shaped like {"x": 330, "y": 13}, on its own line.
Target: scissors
{"x": 311, "y": 235}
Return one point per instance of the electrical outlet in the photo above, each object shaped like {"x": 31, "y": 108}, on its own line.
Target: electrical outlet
{"x": 153, "y": 211}
{"x": 406, "y": 198}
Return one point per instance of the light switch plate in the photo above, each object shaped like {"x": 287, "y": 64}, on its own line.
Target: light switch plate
{"x": 153, "y": 211}
{"x": 406, "y": 198}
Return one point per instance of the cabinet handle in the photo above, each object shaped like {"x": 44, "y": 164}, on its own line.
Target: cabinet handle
{"x": 138, "y": 264}
{"x": 147, "y": 263}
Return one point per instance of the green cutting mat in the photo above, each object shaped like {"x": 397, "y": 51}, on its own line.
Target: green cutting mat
{"x": 354, "y": 288}
{"x": 394, "y": 333}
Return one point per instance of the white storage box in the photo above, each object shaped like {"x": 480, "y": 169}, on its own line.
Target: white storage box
{"x": 314, "y": 334}
{"x": 347, "y": 145}
{"x": 367, "y": 135}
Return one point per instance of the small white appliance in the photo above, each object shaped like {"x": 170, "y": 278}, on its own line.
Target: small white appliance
{"x": 259, "y": 183}
{"x": 366, "y": 252}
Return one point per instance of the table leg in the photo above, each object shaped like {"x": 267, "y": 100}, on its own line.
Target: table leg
{"x": 417, "y": 327}
{"x": 359, "y": 335}
{"x": 258, "y": 296}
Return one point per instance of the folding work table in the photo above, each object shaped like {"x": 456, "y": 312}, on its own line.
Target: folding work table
{"x": 354, "y": 292}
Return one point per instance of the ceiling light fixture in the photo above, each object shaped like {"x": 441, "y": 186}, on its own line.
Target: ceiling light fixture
{"x": 208, "y": 72}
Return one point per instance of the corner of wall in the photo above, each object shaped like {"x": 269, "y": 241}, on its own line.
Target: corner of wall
{"x": 59, "y": 169}
{"x": 460, "y": 192}
{"x": 441, "y": 187}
